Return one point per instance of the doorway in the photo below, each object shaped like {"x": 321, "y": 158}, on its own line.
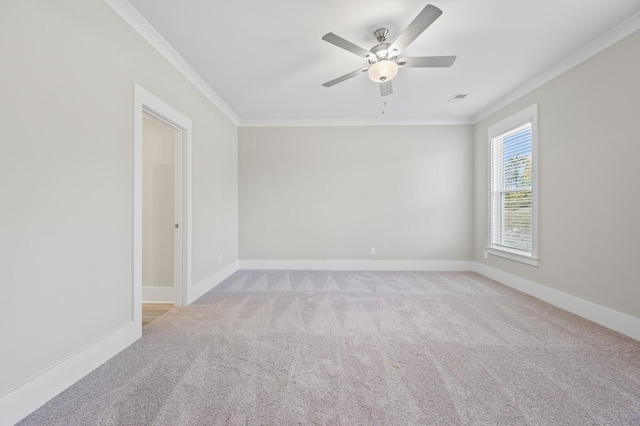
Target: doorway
{"x": 159, "y": 201}
{"x": 162, "y": 204}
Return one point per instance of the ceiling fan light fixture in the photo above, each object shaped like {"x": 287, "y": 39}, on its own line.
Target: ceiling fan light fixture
{"x": 383, "y": 70}
{"x": 383, "y": 58}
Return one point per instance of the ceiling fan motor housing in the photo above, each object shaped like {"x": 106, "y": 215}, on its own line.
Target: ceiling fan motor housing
{"x": 383, "y": 58}
{"x": 381, "y": 51}
{"x": 383, "y": 67}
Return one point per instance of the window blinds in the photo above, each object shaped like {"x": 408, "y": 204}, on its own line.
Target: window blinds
{"x": 511, "y": 197}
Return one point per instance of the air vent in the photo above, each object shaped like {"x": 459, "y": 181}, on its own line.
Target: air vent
{"x": 458, "y": 97}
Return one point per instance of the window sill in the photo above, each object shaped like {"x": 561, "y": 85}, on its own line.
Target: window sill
{"x": 516, "y": 255}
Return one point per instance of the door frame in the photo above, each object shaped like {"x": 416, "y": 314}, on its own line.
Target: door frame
{"x": 146, "y": 102}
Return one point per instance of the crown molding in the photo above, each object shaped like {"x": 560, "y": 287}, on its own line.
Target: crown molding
{"x": 331, "y": 122}
{"x": 144, "y": 28}
{"x": 617, "y": 33}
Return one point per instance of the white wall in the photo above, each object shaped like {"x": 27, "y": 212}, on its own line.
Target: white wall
{"x": 66, "y": 110}
{"x": 158, "y": 202}
{"x": 589, "y": 147}
{"x": 66, "y": 177}
{"x": 334, "y": 192}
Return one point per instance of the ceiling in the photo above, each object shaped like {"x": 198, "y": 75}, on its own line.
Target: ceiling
{"x": 267, "y": 60}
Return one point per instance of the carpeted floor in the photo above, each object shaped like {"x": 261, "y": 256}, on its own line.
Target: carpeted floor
{"x": 397, "y": 348}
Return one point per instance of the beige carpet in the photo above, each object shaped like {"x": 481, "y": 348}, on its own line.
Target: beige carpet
{"x": 396, "y": 348}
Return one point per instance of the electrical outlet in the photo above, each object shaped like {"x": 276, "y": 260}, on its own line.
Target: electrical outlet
{"x": 219, "y": 258}
{"x": 486, "y": 254}
{"x": 373, "y": 250}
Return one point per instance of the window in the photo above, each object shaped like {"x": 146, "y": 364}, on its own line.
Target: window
{"x": 512, "y": 192}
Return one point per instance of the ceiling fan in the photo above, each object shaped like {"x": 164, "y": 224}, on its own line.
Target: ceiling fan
{"x": 384, "y": 58}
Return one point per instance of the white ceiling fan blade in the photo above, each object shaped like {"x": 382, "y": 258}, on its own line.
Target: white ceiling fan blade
{"x": 425, "y": 18}
{"x": 386, "y": 88}
{"x": 345, "y": 77}
{"x": 346, "y": 45}
{"x": 427, "y": 62}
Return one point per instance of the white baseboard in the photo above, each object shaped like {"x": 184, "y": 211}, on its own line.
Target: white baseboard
{"x": 358, "y": 265}
{"x": 617, "y": 321}
{"x": 614, "y": 320}
{"x": 211, "y": 281}
{"x": 28, "y": 397}
{"x": 158, "y": 294}
{"x": 23, "y": 400}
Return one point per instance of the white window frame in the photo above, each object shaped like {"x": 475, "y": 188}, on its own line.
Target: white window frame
{"x": 527, "y": 115}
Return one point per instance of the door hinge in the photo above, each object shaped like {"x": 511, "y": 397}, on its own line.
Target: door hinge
{"x": 176, "y": 226}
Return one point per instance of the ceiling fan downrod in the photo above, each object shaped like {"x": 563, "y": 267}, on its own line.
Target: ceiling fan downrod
{"x": 381, "y": 34}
